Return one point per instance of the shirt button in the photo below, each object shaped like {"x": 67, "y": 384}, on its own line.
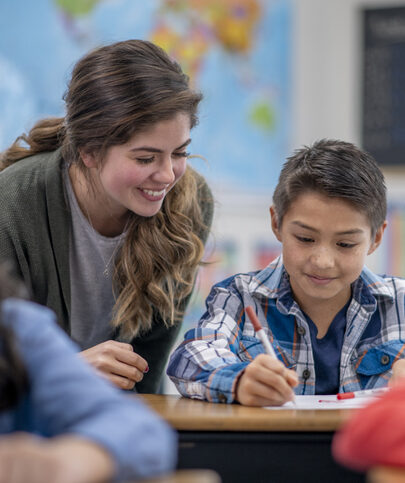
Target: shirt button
{"x": 385, "y": 359}
{"x": 301, "y": 330}
{"x": 306, "y": 374}
{"x": 222, "y": 398}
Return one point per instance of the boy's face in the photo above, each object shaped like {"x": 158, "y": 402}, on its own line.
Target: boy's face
{"x": 325, "y": 243}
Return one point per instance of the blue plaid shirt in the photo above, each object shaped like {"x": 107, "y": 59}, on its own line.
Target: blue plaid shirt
{"x": 207, "y": 364}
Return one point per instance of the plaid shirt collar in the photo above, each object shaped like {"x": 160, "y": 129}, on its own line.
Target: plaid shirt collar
{"x": 273, "y": 282}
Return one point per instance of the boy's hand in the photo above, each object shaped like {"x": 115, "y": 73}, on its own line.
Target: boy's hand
{"x": 118, "y": 362}
{"x": 398, "y": 373}
{"x": 266, "y": 382}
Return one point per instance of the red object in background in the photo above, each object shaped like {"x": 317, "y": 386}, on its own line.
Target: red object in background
{"x": 264, "y": 254}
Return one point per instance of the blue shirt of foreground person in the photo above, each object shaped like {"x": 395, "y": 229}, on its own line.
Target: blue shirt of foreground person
{"x": 65, "y": 396}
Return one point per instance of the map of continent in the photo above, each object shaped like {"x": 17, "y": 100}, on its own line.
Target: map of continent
{"x": 235, "y": 51}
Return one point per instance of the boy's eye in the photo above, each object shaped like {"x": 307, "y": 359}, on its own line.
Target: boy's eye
{"x": 183, "y": 154}
{"x": 346, "y": 245}
{"x": 304, "y": 239}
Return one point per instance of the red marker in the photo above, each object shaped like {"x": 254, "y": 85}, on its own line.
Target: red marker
{"x": 366, "y": 393}
{"x": 260, "y": 332}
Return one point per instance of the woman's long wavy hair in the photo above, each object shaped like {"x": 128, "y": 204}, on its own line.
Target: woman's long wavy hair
{"x": 115, "y": 92}
{"x": 13, "y": 376}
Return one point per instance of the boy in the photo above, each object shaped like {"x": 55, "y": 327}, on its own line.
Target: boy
{"x": 335, "y": 325}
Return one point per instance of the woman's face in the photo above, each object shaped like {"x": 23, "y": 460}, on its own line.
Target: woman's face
{"x": 136, "y": 176}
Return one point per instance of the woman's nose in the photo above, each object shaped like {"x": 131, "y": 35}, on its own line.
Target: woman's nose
{"x": 165, "y": 173}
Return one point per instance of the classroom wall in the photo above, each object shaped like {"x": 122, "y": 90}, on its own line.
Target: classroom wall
{"x": 327, "y": 68}
{"x": 326, "y": 102}
{"x": 327, "y": 75}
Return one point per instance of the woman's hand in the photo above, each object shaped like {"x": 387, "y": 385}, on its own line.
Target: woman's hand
{"x": 118, "y": 362}
{"x": 25, "y": 458}
{"x": 398, "y": 373}
{"x": 266, "y": 382}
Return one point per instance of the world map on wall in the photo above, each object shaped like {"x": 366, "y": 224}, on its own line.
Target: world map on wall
{"x": 236, "y": 52}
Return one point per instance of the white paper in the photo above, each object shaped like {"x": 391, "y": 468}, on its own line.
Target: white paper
{"x": 323, "y": 401}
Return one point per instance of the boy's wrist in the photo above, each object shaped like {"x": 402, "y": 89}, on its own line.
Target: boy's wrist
{"x": 222, "y": 383}
{"x": 235, "y": 388}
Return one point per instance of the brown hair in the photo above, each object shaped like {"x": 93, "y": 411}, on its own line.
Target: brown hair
{"x": 337, "y": 169}
{"x": 117, "y": 91}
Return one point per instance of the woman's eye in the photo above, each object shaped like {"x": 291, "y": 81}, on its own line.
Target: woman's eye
{"x": 183, "y": 154}
{"x": 145, "y": 160}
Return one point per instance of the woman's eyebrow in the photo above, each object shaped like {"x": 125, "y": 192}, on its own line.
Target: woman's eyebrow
{"x": 184, "y": 144}
{"x": 151, "y": 149}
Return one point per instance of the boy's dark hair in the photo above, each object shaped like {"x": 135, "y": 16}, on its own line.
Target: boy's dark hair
{"x": 336, "y": 169}
{"x": 13, "y": 376}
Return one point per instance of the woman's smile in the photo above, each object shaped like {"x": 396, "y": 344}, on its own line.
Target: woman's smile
{"x": 153, "y": 195}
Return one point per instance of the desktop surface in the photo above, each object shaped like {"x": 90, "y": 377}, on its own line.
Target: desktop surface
{"x": 255, "y": 445}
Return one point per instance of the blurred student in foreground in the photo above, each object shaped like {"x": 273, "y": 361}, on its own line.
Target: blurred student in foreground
{"x": 375, "y": 436}
{"x": 59, "y": 421}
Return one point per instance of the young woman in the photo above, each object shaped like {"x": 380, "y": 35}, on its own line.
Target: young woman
{"x": 59, "y": 422}
{"x": 102, "y": 216}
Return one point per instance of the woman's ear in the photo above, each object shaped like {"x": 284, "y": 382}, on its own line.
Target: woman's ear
{"x": 89, "y": 160}
{"x": 377, "y": 238}
{"x": 274, "y": 223}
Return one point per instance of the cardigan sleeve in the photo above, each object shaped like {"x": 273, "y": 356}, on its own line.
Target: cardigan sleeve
{"x": 15, "y": 216}
{"x": 156, "y": 345}
{"x": 35, "y": 227}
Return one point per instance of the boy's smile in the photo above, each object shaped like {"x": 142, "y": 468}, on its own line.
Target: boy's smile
{"x": 325, "y": 243}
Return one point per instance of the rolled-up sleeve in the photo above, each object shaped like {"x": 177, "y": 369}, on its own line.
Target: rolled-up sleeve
{"x": 206, "y": 365}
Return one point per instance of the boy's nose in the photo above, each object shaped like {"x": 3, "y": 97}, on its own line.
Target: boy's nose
{"x": 323, "y": 258}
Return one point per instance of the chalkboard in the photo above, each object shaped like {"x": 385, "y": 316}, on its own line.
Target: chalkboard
{"x": 383, "y": 116}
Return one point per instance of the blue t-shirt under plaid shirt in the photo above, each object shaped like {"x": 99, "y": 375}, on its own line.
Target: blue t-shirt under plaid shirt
{"x": 207, "y": 364}
{"x": 327, "y": 352}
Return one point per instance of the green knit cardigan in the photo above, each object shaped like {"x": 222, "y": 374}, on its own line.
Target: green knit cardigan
{"x": 35, "y": 223}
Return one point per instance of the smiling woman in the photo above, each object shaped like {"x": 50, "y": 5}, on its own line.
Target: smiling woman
{"x": 102, "y": 216}
{"x": 134, "y": 177}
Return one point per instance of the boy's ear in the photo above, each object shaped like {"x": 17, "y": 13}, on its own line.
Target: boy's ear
{"x": 377, "y": 238}
{"x": 89, "y": 160}
{"x": 274, "y": 223}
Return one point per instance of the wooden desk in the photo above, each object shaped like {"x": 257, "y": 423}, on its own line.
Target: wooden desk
{"x": 186, "y": 476}
{"x": 255, "y": 445}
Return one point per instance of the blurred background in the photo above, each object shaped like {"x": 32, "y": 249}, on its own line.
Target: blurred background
{"x": 275, "y": 74}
